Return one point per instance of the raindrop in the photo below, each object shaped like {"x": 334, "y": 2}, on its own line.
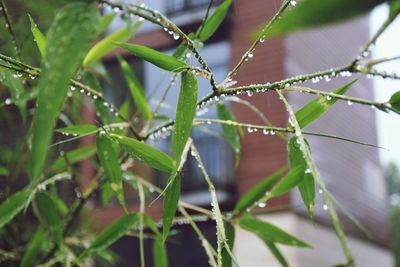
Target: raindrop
{"x": 373, "y": 107}
{"x": 250, "y": 130}
{"x": 262, "y": 40}
{"x": 8, "y": 101}
{"x": 272, "y": 132}
{"x": 328, "y": 97}
{"x": 293, "y": 2}
{"x": 176, "y": 36}
{"x": 261, "y": 204}
{"x": 266, "y": 132}
{"x": 349, "y": 102}
{"x": 73, "y": 88}
{"x": 250, "y": 55}
{"x": 325, "y": 207}
{"x": 249, "y": 93}
{"x": 320, "y": 191}
{"x": 307, "y": 170}
{"x": 141, "y": 19}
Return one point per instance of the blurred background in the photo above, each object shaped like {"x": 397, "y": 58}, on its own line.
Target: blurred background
{"x": 364, "y": 180}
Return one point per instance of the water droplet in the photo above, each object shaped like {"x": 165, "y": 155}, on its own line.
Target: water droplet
{"x": 151, "y": 189}
{"x": 8, "y": 101}
{"x": 73, "y": 88}
{"x": 141, "y": 19}
{"x": 266, "y": 132}
{"x": 249, "y": 93}
{"x": 262, "y": 204}
{"x": 328, "y": 97}
{"x": 250, "y": 55}
{"x": 325, "y": 207}
{"x": 176, "y": 36}
{"x": 373, "y": 107}
{"x": 320, "y": 191}
{"x": 307, "y": 170}
{"x": 293, "y": 2}
{"x": 166, "y": 29}
{"x": 262, "y": 40}
{"x": 250, "y": 130}
{"x": 273, "y": 132}
{"x": 349, "y": 103}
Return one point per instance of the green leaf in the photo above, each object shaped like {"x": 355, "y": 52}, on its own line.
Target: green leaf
{"x": 231, "y": 133}
{"x": 16, "y": 89}
{"x": 268, "y": 232}
{"x": 151, "y": 224}
{"x": 40, "y": 39}
{"x": 137, "y": 91}
{"x": 212, "y": 23}
{"x": 148, "y": 154}
{"x": 258, "y": 191}
{"x": 160, "y": 256}
{"x": 161, "y": 60}
{"x": 72, "y": 157}
{"x": 307, "y": 185}
{"x": 278, "y": 255}
{"x": 110, "y": 163}
{"x": 319, "y": 106}
{"x": 185, "y": 113}
{"x": 106, "y": 45}
{"x": 12, "y": 206}
{"x": 4, "y": 171}
{"x": 292, "y": 179}
{"x": 33, "y": 248}
{"x": 112, "y": 233}
{"x": 230, "y": 236}
{"x": 314, "y": 13}
{"x": 395, "y": 101}
{"x": 394, "y": 8}
{"x": 171, "y": 199}
{"x": 105, "y": 21}
{"x": 180, "y": 51}
{"x": 81, "y": 129}
{"x": 67, "y": 41}
{"x": 49, "y": 214}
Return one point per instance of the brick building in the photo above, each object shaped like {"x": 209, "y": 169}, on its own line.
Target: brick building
{"x": 352, "y": 172}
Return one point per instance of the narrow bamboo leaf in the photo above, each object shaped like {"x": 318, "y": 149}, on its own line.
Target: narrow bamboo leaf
{"x": 16, "y": 89}
{"x": 110, "y": 163}
{"x": 160, "y": 256}
{"x": 68, "y": 39}
{"x": 81, "y": 129}
{"x": 40, "y": 39}
{"x": 277, "y": 254}
{"x": 72, "y": 157}
{"x": 137, "y": 91}
{"x": 12, "y": 206}
{"x": 230, "y": 236}
{"x": 319, "y": 106}
{"x": 258, "y": 191}
{"x": 292, "y": 179}
{"x": 171, "y": 200}
{"x": 231, "y": 133}
{"x": 180, "y": 51}
{"x": 268, "y": 232}
{"x": 185, "y": 112}
{"x": 106, "y": 45}
{"x": 148, "y": 154}
{"x": 394, "y": 8}
{"x": 161, "y": 60}
{"x": 151, "y": 224}
{"x": 212, "y": 23}
{"x": 112, "y": 233}
{"x": 105, "y": 21}
{"x": 106, "y": 194}
{"x": 33, "y": 248}
{"x": 395, "y": 101}
{"x": 59, "y": 203}
{"x": 49, "y": 214}
{"x": 313, "y": 13}
{"x": 307, "y": 185}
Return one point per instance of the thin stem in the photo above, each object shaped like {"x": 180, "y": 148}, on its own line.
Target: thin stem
{"x": 259, "y": 39}
{"x": 9, "y": 27}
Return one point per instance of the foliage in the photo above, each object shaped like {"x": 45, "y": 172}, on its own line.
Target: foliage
{"x": 50, "y": 103}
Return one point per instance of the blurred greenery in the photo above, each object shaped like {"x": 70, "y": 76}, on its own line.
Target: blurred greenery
{"x": 42, "y": 11}
{"x": 392, "y": 176}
